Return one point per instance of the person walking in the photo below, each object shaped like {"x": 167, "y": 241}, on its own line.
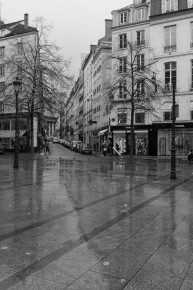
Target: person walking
{"x": 104, "y": 149}
{"x": 47, "y": 150}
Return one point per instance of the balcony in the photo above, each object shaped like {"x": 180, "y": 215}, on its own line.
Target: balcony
{"x": 170, "y": 48}
{"x": 140, "y": 42}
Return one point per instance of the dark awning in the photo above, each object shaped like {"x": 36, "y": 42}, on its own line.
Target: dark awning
{"x": 102, "y": 132}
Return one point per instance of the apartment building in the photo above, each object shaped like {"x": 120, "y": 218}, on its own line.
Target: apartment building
{"x": 165, "y": 29}
{"x": 130, "y": 45}
{"x": 171, "y": 30}
{"x": 10, "y": 35}
{"x": 87, "y": 69}
{"x": 15, "y": 39}
{"x": 101, "y": 82}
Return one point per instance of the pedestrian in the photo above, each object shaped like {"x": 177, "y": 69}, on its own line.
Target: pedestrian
{"x": 104, "y": 149}
{"x": 47, "y": 150}
{"x": 190, "y": 156}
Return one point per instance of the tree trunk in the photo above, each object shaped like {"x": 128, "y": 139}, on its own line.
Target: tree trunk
{"x": 132, "y": 104}
{"x": 32, "y": 129}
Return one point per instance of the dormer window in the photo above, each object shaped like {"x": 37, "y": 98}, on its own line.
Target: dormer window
{"x": 137, "y": 2}
{"x": 169, "y": 5}
{"x": 190, "y": 3}
{"x": 123, "y": 17}
{"x": 140, "y": 14}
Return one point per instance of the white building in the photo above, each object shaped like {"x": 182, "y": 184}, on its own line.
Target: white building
{"x": 165, "y": 28}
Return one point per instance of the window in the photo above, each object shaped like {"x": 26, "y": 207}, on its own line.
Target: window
{"x": 19, "y": 47}
{"x": 168, "y": 116}
{"x": 122, "y": 40}
{"x": 122, "y": 89}
{"x": 140, "y": 88}
{"x": 140, "y": 14}
{"x": 139, "y": 117}
{"x": 191, "y": 34}
{"x": 192, "y": 74}
{"x": 190, "y": 3}
{"x": 191, "y": 110}
{"x": 170, "y": 74}
{"x": 140, "y": 1}
{"x": 2, "y": 70}
{"x": 123, "y": 17}
{"x": 169, "y": 5}
{"x": 122, "y": 116}
{"x": 170, "y": 38}
{"x": 122, "y": 64}
{"x": 2, "y": 87}
{"x": 2, "y": 51}
{"x": 140, "y": 61}
{"x": 1, "y": 107}
{"x": 141, "y": 37}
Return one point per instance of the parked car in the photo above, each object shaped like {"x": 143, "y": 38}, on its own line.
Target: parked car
{"x": 86, "y": 149}
{"x": 67, "y": 144}
{"x": 50, "y": 139}
{"x": 75, "y": 144}
{"x": 55, "y": 140}
{"x": 61, "y": 142}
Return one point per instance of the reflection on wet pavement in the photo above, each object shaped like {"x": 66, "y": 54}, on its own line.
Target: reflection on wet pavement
{"x": 95, "y": 223}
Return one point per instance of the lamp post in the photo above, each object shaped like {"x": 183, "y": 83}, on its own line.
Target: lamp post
{"x": 17, "y": 87}
{"x": 173, "y": 148}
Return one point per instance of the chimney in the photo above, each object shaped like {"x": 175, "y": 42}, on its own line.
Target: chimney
{"x": 92, "y": 47}
{"x": 26, "y": 20}
{"x": 108, "y": 25}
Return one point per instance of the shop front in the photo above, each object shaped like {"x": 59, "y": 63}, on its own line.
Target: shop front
{"x": 121, "y": 137}
{"x": 183, "y": 138}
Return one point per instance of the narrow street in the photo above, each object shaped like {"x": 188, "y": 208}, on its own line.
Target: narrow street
{"x": 69, "y": 221}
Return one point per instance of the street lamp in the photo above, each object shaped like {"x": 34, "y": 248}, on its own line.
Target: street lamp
{"x": 17, "y": 87}
{"x": 173, "y": 148}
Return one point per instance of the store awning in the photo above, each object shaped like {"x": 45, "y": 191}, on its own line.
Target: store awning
{"x": 100, "y": 133}
{"x": 10, "y": 133}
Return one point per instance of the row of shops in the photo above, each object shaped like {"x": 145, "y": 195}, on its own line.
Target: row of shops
{"x": 151, "y": 140}
{"x": 7, "y": 131}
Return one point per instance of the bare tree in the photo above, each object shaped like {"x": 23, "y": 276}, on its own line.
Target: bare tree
{"x": 134, "y": 83}
{"x": 42, "y": 69}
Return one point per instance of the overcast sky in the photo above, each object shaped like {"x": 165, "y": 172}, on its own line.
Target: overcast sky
{"x": 76, "y": 23}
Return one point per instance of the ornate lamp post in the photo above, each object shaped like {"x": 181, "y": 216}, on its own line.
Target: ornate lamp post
{"x": 173, "y": 149}
{"x": 17, "y": 87}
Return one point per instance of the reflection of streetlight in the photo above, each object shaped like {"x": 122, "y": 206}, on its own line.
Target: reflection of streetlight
{"x": 17, "y": 87}
{"x": 173, "y": 149}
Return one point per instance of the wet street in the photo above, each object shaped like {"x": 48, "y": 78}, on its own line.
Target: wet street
{"x": 70, "y": 221}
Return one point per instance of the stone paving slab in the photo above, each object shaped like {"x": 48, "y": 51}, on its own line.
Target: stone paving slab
{"x": 75, "y": 222}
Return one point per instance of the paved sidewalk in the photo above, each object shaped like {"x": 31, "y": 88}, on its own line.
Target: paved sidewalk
{"x": 95, "y": 223}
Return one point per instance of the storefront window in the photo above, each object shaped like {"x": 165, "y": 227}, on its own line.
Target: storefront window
{"x": 183, "y": 141}
{"x": 141, "y": 143}
{"x": 120, "y": 142}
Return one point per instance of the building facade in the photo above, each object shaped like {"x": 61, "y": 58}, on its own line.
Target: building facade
{"x": 164, "y": 28}
{"x": 173, "y": 22}
{"x": 15, "y": 40}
